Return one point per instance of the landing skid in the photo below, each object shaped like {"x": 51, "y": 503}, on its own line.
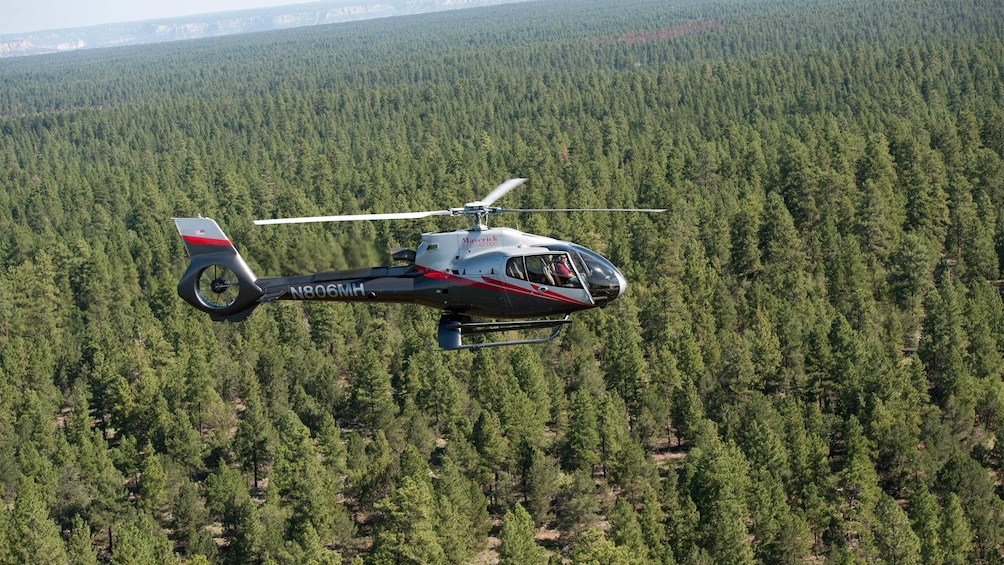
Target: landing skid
{"x": 453, "y": 328}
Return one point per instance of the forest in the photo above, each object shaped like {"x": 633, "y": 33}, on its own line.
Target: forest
{"x": 807, "y": 368}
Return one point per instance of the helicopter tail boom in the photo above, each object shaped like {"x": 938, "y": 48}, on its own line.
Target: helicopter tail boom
{"x": 217, "y": 280}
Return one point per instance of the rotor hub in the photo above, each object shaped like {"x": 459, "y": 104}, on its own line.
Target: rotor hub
{"x": 219, "y": 285}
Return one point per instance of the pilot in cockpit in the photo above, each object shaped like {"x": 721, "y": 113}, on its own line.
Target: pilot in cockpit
{"x": 562, "y": 271}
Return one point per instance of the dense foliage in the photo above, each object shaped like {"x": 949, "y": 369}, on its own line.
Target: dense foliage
{"x": 808, "y": 365}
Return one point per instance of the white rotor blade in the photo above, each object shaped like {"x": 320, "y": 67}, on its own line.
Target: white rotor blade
{"x": 500, "y": 191}
{"x": 356, "y": 217}
{"x": 517, "y": 210}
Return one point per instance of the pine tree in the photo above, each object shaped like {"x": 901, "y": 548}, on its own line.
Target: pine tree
{"x": 943, "y": 349}
{"x": 405, "y": 531}
{"x": 720, "y": 479}
{"x": 858, "y": 478}
{"x": 845, "y": 375}
{"x": 538, "y": 482}
{"x": 780, "y": 245}
{"x": 956, "y": 535}
{"x": 139, "y": 541}
{"x": 79, "y": 546}
{"x": 31, "y": 536}
{"x": 725, "y": 532}
{"x": 912, "y": 269}
{"x": 189, "y": 517}
{"x": 926, "y": 522}
{"x": 529, "y": 372}
{"x": 593, "y": 549}
{"x": 437, "y": 392}
{"x": 583, "y": 438}
{"x": 372, "y": 481}
{"x": 152, "y": 484}
{"x": 517, "y": 546}
{"x": 984, "y": 314}
{"x": 745, "y": 244}
{"x": 625, "y": 530}
{"x": 576, "y": 506}
{"x": 765, "y": 349}
{"x": 5, "y": 535}
{"x": 252, "y": 441}
{"x": 614, "y": 429}
{"x": 311, "y": 550}
{"x": 462, "y": 512}
{"x": 303, "y": 483}
{"x": 896, "y": 541}
{"x": 243, "y": 530}
{"x": 182, "y": 442}
{"x": 331, "y": 447}
{"x": 495, "y": 452}
{"x": 971, "y": 233}
{"x": 883, "y": 212}
{"x": 688, "y": 410}
{"x": 226, "y": 491}
{"x": 372, "y": 395}
{"x": 105, "y": 485}
{"x": 793, "y": 543}
{"x": 623, "y": 359}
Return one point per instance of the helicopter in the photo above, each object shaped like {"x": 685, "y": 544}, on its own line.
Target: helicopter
{"x": 484, "y": 280}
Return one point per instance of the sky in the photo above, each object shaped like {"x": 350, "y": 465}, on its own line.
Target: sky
{"x": 20, "y": 16}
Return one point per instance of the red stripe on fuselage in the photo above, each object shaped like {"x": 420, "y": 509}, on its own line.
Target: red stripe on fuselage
{"x": 439, "y": 275}
{"x": 196, "y": 240}
{"x": 497, "y": 285}
{"x": 547, "y": 292}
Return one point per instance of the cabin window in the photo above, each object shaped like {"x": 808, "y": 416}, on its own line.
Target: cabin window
{"x": 514, "y": 269}
{"x": 536, "y": 270}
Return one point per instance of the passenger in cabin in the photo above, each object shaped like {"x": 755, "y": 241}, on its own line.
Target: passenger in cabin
{"x": 538, "y": 270}
{"x": 514, "y": 269}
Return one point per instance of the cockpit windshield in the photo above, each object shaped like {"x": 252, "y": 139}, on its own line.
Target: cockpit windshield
{"x": 571, "y": 266}
{"x": 602, "y": 279}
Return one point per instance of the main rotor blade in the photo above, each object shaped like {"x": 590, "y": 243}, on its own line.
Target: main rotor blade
{"x": 356, "y": 217}
{"x": 517, "y": 210}
{"x": 501, "y": 191}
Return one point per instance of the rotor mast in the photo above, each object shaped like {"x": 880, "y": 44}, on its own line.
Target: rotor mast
{"x": 481, "y": 209}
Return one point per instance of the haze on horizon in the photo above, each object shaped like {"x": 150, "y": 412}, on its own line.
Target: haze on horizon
{"x": 42, "y": 15}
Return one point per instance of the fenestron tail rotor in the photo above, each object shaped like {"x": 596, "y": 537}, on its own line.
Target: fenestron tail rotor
{"x": 218, "y": 286}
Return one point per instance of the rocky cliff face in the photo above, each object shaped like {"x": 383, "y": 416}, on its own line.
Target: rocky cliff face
{"x": 215, "y": 25}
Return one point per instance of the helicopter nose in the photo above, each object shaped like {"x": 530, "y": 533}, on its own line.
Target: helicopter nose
{"x": 621, "y": 283}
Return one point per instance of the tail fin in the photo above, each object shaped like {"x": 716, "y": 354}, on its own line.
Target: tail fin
{"x": 217, "y": 280}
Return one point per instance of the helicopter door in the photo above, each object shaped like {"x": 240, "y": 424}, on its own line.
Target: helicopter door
{"x": 537, "y": 271}
{"x": 553, "y": 269}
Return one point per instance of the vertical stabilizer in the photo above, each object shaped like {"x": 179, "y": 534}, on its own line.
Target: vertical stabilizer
{"x": 203, "y": 236}
{"x": 217, "y": 281}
